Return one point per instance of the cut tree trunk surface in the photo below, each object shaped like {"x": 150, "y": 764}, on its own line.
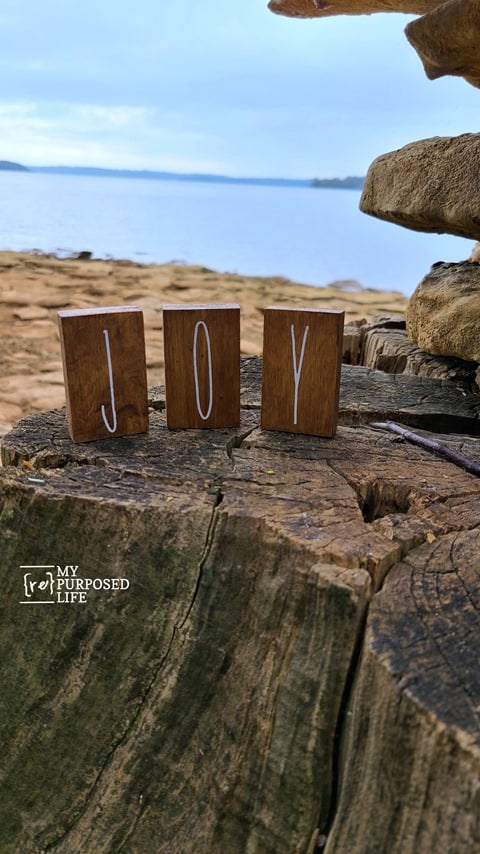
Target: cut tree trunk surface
{"x": 295, "y": 661}
{"x": 369, "y": 395}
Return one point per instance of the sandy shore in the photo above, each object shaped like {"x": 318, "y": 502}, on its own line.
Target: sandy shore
{"x": 34, "y": 287}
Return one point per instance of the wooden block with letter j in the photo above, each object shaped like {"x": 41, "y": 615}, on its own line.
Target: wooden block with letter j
{"x": 103, "y": 352}
{"x": 302, "y": 354}
{"x": 202, "y": 365}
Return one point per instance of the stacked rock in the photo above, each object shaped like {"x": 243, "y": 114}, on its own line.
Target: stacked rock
{"x": 446, "y": 40}
{"x": 431, "y": 185}
{"x": 324, "y": 8}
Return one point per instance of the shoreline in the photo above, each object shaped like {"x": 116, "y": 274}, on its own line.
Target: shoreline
{"x": 35, "y": 286}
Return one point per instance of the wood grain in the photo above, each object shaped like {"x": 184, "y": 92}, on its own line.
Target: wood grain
{"x": 411, "y": 754}
{"x": 296, "y": 657}
{"x": 202, "y": 365}
{"x": 103, "y": 353}
{"x": 302, "y": 351}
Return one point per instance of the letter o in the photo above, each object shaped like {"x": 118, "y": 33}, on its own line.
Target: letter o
{"x": 195, "y": 371}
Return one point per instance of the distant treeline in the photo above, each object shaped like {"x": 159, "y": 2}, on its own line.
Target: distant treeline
{"x": 12, "y": 167}
{"x": 350, "y": 183}
{"x": 169, "y": 176}
{"x": 353, "y": 182}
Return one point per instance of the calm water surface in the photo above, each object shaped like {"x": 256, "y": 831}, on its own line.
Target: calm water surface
{"x": 311, "y": 236}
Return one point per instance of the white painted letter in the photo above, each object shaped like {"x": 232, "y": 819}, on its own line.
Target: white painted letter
{"x": 112, "y": 392}
{"x": 195, "y": 370}
{"x": 297, "y": 370}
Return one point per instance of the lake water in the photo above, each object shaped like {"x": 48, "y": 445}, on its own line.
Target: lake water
{"x": 310, "y": 236}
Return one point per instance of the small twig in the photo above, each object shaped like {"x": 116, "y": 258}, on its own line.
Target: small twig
{"x": 455, "y": 457}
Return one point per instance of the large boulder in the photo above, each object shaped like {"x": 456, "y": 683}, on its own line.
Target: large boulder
{"x": 323, "y": 8}
{"x": 430, "y": 185}
{"x": 447, "y": 39}
{"x": 444, "y": 311}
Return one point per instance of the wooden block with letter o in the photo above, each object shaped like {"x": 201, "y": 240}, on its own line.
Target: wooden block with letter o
{"x": 103, "y": 352}
{"x": 202, "y": 365}
{"x": 302, "y": 353}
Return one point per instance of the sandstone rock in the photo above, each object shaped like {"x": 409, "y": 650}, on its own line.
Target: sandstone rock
{"x": 446, "y": 40}
{"x": 382, "y": 344}
{"x": 352, "y": 342}
{"x": 443, "y": 313}
{"x": 323, "y": 8}
{"x": 356, "y": 333}
{"x": 31, "y": 312}
{"x": 431, "y": 185}
{"x": 390, "y": 350}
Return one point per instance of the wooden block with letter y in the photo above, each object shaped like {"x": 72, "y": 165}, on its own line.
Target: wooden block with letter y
{"x": 103, "y": 352}
{"x": 202, "y": 365}
{"x": 302, "y": 353}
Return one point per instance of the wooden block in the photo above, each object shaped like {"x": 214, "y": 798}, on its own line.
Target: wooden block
{"x": 302, "y": 353}
{"x": 202, "y": 365}
{"x": 103, "y": 352}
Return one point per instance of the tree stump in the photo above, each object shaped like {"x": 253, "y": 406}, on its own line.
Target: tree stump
{"x": 295, "y": 661}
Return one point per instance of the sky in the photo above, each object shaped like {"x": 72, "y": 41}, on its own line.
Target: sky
{"x": 218, "y": 86}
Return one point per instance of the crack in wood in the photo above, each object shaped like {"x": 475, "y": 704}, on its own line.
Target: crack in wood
{"x": 325, "y": 824}
{"x": 54, "y": 845}
{"x": 209, "y": 539}
{"x": 237, "y": 441}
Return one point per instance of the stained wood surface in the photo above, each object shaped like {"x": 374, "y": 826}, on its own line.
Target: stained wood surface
{"x": 202, "y": 365}
{"x": 302, "y": 354}
{"x": 103, "y": 353}
{"x": 296, "y": 656}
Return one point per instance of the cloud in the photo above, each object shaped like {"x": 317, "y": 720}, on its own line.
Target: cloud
{"x": 91, "y": 135}
{"x": 215, "y": 86}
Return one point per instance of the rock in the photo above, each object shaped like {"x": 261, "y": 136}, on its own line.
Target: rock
{"x": 352, "y": 342}
{"x": 447, "y": 38}
{"x": 324, "y": 8}
{"x": 84, "y": 255}
{"x": 444, "y": 311}
{"x": 356, "y": 332}
{"x": 390, "y": 350}
{"x": 382, "y": 344}
{"x": 431, "y": 185}
{"x": 31, "y": 312}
